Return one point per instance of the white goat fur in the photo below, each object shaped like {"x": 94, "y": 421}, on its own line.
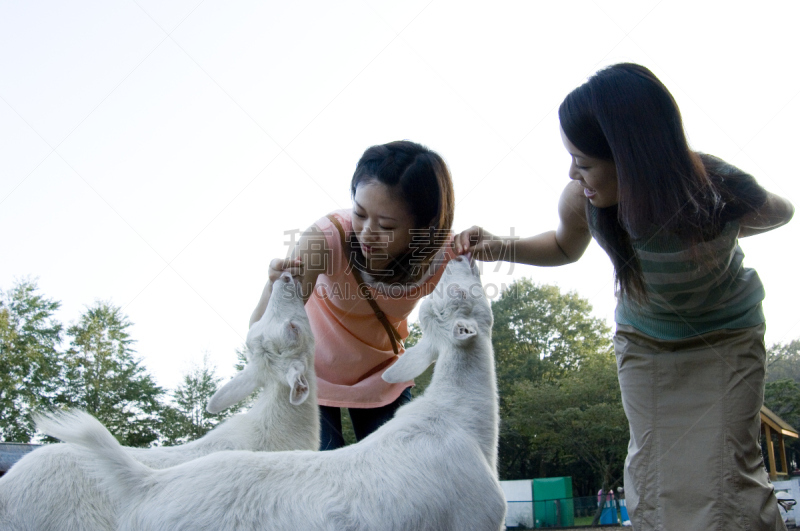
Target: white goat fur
{"x": 432, "y": 467}
{"x": 53, "y": 488}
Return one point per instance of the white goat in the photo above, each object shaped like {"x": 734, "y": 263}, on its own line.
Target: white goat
{"x": 432, "y": 467}
{"x": 50, "y": 489}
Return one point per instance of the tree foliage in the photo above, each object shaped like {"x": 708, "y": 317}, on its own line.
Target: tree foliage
{"x": 576, "y": 419}
{"x": 783, "y": 361}
{"x": 97, "y": 371}
{"x": 560, "y": 406}
{"x": 783, "y": 398}
{"x": 782, "y": 390}
{"x": 186, "y": 418}
{"x": 540, "y": 334}
{"x": 422, "y": 381}
{"x": 104, "y": 378}
{"x": 30, "y": 363}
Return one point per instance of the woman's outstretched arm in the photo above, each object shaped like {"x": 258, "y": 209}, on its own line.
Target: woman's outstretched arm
{"x": 564, "y": 245}
{"x": 306, "y": 261}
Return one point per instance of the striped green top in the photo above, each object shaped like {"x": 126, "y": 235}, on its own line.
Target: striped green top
{"x": 694, "y": 294}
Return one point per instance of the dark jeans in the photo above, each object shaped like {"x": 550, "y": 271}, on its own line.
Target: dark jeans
{"x": 365, "y": 421}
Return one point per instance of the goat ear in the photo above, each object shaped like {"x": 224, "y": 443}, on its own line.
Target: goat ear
{"x": 412, "y": 363}
{"x": 465, "y": 329}
{"x": 239, "y": 388}
{"x": 297, "y": 381}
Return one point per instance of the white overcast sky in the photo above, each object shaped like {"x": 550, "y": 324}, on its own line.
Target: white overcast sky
{"x": 154, "y": 153}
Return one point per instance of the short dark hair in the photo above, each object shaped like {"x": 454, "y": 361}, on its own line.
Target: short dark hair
{"x": 423, "y": 183}
{"x": 625, "y": 114}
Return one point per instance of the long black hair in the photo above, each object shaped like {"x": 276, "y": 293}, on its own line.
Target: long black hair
{"x": 423, "y": 183}
{"x": 624, "y": 114}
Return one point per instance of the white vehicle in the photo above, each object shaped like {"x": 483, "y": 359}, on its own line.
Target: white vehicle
{"x": 786, "y": 502}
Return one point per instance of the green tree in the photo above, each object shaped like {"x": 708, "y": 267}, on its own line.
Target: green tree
{"x": 783, "y": 361}
{"x": 186, "y": 418}
{"x": 578, "y": 418}
{"x": 422, "y": 381}
{"x": 782, "y": 390}
{"x": 540, "y": 336}
{"x": 241, "y": 358}
{"x": 30, "y": 363}
{"x": 105, "y": 379}
{"x": 783, "y": 398}
{"x": 414, "y": 335}
{"x": 241, "y": 362}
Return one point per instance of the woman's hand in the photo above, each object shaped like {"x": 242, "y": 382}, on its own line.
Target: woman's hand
{"x": 279, "y": 265}
{"x": 482, "y": 244}
{"x": 312, "y": 248}
{"x": 276, "y": 267}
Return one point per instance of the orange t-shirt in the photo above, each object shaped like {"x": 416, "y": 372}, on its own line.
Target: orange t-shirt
{"x": 352, "y": 347}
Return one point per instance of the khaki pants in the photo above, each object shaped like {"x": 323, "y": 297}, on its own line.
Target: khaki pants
{"x": 694, "y": 460}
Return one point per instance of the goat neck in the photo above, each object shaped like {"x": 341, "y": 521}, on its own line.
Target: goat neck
{"x": 457, "y": 334}
{"x": 276, "y": 424}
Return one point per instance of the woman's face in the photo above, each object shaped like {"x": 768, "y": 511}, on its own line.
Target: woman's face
{"x": 382, "y": 223}
{"x": 597, "y": 176}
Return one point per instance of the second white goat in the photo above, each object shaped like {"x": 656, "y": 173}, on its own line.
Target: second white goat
{"x": 432, "y": 467}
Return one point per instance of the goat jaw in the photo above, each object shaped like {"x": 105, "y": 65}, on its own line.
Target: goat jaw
{"x": 296, "y": 378}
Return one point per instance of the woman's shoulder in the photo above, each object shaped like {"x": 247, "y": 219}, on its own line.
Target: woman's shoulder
{"x": 325, "y": 240}
{"x": 720, "y": 170}
{"x": 738, "y": 192}
{"x": 332, "y": 227}
{"x": 342, "y": 216}
{"x": 572, "y": 205}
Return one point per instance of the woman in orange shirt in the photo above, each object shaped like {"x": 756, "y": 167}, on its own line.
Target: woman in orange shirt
{"x": 362, "y": 272}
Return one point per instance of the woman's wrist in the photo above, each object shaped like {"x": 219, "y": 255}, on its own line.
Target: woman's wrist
{"x": 506, "y": 250}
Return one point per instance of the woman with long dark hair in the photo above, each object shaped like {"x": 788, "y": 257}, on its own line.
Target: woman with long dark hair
{"x": 690, "y": 327}
{"x": 362, "y": 271}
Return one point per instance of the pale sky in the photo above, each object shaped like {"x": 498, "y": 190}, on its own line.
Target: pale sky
{"x": 154, "y": 153}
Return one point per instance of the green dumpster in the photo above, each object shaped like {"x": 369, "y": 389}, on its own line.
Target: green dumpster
{"x": 552, "y": 502}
